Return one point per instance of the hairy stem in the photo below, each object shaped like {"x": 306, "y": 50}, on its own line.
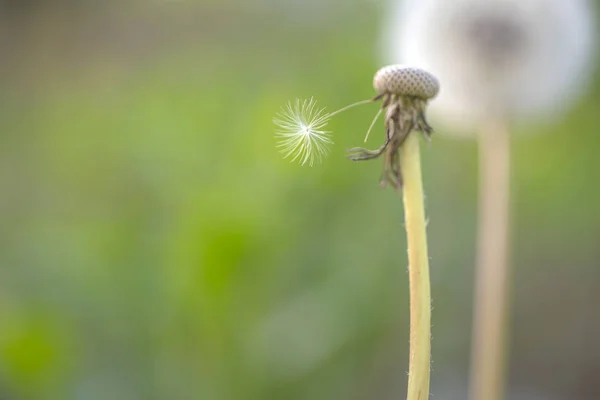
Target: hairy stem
{"x": 488, "y": 352}
{"x": 418, "y": 267}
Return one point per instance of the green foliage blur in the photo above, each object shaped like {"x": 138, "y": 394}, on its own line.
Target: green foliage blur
{"x": 155, "y": 245}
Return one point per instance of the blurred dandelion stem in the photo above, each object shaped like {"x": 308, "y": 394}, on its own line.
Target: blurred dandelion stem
{"x": 490, "y": 318}
{"x": 418, "y": 269}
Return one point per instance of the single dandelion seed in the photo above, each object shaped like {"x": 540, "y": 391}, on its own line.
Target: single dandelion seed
{"x": 302, "y": 135}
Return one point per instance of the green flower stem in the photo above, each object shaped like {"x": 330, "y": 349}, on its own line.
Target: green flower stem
{"x": 418, "y": 267}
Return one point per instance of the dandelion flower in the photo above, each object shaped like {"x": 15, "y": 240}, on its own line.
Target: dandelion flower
{"x": 301, "y": 133}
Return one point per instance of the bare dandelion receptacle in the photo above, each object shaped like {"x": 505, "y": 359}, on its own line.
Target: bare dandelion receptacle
{"x": 406, "y": 81}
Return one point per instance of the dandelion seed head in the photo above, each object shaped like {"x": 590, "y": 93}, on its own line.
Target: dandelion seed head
{"x": 520, "y": 59}
{"x": 301, "y": 135}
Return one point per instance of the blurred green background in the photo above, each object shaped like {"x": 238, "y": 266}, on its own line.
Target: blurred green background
{"x": 154, "y": 245}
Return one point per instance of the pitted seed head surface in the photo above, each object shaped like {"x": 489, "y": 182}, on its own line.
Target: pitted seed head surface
{"x": 406, "y": 81}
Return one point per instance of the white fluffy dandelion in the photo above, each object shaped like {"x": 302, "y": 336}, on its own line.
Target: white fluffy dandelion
{"x": 512, "y": 58}
{"x": 301, "y": 134}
